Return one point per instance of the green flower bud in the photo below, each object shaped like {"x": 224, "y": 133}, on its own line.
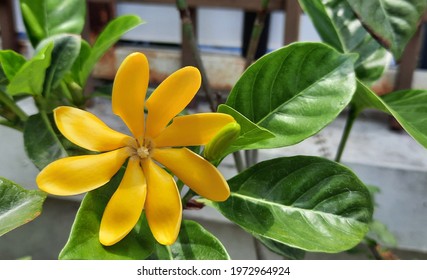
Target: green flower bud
{"x": 215, "y": 149}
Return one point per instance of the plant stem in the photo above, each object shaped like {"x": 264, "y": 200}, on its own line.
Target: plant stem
{"x": 10, "y": 103}
{"x": 351, "y": 117}
{"x": 190, "y": 38}
{"x": 189, "y": 195}
{"x": 256, "y": 33}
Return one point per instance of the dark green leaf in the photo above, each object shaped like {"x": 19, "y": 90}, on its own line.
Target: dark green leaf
{"x": 83, "y": 242}
{"x": 391, "y": 22}
{"x": 66, "y": 48}
{"x": 11, "y": 62}
{"x": 193, "y": 243}
{"x": 304, "y": 202}
{"x": 282, "y": 249}
{"x": 339, "y": 27}
{"x": 46, "y": 18}
{"x": 18, "y": 206}
{"x": 78, "y": 65}
{"x": 30, "y": 77}
{"x": 41, "y": 142}
{"x": 3, "y": 79}
{"x": 407, "y": 106}
{"x": 108, "y": 37}
{"x": 295, "y": 91}
{"x": 250, "y": 133}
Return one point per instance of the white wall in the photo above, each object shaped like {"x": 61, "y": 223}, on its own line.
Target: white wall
{"x": 216, "y": 27}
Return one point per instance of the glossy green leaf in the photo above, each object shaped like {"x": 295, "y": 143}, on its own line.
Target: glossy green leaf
{"x": 18, "y": 206}
{"x": 408, "y": 107}
{"x": 295, "y": 91}
{"x": 83, "y": 242}
{"x": 46, "y": 18}
{"x": 391, "y": 22}
{"x": 250, "y": 133}
{"x": 11, "y": 62}
{"x": 339, "y": 27}
{"x": 107, "y": 38}
{"x": 30, "y": 77}
{"x": 66, "y": 48}
{"x": 41, "y": 142}
{"x": 304, "y": 202}
{"x": 193, "y": 243}
{"x": 282, "y": 249}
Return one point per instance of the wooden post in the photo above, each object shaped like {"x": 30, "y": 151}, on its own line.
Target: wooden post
{"x": 292, "y": 21}
{"x": 187, "y": 57}
{"x": 408, "y": 62}
{"x": 7, "y": 24}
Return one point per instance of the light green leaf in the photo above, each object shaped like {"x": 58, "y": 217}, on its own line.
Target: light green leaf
{"x": 11, "y": 62}
{"x": 18, "y": 206}
{"x": 408, "y": 107}
{"x": 46, "y": 18}
{"x": 66, "y": 48}
{"x": 193, "y": 243}
{"x": 391, "y": 22}
{"x": 295, "y": 91}
{"x": 250, "y": 133}
{"x": 339, "y": 27}
{"x": 304, "y": 202}
{"x": 108, "y": 37}
{"x": 42, "y": 144}
{"x": 83, "y": 242}
{"x": 30, "y": 77}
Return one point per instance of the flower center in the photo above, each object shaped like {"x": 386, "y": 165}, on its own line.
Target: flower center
{"x": 143, "y": 152}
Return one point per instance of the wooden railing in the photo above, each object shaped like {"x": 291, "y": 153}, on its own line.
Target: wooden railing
{"x": 292, "y": 9}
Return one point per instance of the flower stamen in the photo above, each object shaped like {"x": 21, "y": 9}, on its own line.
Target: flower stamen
{"x": 143, "y": 152}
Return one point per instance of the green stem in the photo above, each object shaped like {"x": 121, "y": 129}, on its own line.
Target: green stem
{"x": 190, "y": 38}
{"x": 66, "y": 92}
{"x": 351, "y": 117}
{"x": 10, "y": 103}
{"x": 189, "y": 195}
{"x": 11, "y": 125}
{"x": 168, "y": 248}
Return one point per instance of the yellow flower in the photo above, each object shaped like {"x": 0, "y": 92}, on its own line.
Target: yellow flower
{"x": 145, "y": 184}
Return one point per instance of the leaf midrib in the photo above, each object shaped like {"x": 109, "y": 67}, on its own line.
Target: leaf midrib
{"x": 290, "y": 208}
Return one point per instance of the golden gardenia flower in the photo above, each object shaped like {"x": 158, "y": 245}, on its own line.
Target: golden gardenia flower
{"x": 145, "y": 184}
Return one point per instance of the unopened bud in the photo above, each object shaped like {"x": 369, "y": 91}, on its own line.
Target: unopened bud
{"x": 215, "y": 149}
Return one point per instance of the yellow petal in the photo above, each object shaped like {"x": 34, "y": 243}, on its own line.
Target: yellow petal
{"x": 170, "y": 98}
{"x": 76, "y": 175}
{"x": 196, "y": 172}
{"x": 125, "y": 206}
{"x": 86, "y": 130}
{"x": 129, "y": 89}
{"x": 163, "y": 205}
{"x": 192, "y": 130}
